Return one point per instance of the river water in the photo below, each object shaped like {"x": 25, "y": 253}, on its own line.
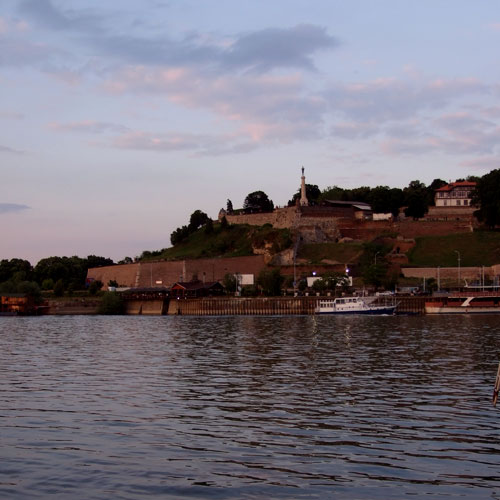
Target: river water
{"x": 98, "y": 407}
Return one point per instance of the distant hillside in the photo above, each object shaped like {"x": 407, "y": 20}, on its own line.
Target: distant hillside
{"x": 331, "y": 253}
{"x": 236, "y": 240}
{"x": 239, "y": 240}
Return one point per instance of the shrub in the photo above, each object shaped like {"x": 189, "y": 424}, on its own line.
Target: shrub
{"x": 111, "y": 303}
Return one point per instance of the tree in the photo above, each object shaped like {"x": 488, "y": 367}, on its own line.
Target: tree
{"x": 229, "y": 207}
{"x": 229, "y": 282}
{"x": 59, "y": 288}
{"x": 30, "y": 288}
{"x": 384, "y": 199}
{"x": 416, "y": 199}
{"x": 94, "y": 287}
{"x": 431, "y": 190}
{"x": 71, "y": 270}
{"x": 48, "y": 284}
{"x": 486, "y": 197}
{"x": 97, "y": 261}
{"x": 335, "y": 279}
{"x": 333, "y": 193}
{"x": 312, "y": 193}
{"x": 19, "y": 267}
{"x": 126, "y": 260}
{"x": 270, "y": 281}
{"x": 209, "y": 227}
{"x": 111, "y": 303}
{"x": 319, "y": 285}
{"x": 197, "y": 219}
{"x": 258, "y": 201}
{"x": 179, "y": 235}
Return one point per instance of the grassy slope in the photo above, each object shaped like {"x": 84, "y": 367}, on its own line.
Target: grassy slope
{"x": 476, "y": 249}
{"x": 340, "y": 252}
{"x": 234, "y": 241}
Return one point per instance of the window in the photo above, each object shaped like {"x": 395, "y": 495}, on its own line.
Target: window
{"x": 466, "y": 202}
{"x": 458, "y": 202}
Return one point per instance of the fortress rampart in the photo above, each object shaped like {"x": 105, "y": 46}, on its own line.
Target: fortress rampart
{"x": 166, "y": 273}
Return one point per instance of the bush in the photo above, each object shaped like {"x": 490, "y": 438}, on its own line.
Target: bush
{"x": 249, "y": 291}
{"x": 112, "y": 303}
{"x": 94, "y": 287}
{"x": 48, "y": 284}
{"x": 270, "y": 281}
{"x": 59, "y": 288}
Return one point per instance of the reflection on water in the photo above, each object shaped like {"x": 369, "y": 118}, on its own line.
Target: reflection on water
{"x": 249, "y": 407}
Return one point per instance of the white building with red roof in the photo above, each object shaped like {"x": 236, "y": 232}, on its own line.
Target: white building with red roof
{"x": 455, "y": 194}
{"x": 453, "y": 202}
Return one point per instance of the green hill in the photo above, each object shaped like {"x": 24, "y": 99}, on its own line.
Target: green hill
{"x": 236, "y": 240}
{"x": 481, "y": 248}
{"x": 476, "y": 248}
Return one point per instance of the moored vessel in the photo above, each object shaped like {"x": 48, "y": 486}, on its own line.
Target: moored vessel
{"x": 355, "y": 305}
{"x": 464, "y": 302}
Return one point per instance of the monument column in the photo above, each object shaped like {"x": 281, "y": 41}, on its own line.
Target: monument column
{"x": 303, "y": 197}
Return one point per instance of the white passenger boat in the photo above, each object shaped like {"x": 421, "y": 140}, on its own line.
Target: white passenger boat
{"x": 354, "y": 305}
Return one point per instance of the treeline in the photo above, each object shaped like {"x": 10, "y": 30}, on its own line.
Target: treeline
{"x": 58, "y": 274}
{"x": 416, "y": 197}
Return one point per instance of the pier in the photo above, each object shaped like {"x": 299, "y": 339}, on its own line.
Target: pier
{"x": 250, "y": 306}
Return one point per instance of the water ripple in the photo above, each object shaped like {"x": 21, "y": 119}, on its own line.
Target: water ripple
{"x": 248, "y": 407}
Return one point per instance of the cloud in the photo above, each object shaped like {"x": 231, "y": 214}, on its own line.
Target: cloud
{"x": 12, "y": 207}
{"x": 354, "y": 130}
{"x": 453, "y": 141}
{"x": 160, "y": 142}
{"x": 274, "y": 104}
{"x": 259, "y": 51}
{"x": 196, "y": 144}
{"x": 5, "y": 149}
{"x": 487, "y": 163}
{"x": 385, "y": 100}
{"x": 14, "y": 52}
{"x": 89, "y": 126}
{"x": 45, "y": 13}
{"x": 9, "y": 25}
{"x": 273, "y": 48}
{"x": 462, "y": 120}
{"x": 11, "y": 115}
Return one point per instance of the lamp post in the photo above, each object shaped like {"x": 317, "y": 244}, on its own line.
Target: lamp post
{"x": 376, "y": 258}
{"x": 458, "y": 257}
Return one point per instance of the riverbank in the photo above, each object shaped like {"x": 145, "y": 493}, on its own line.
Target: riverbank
{"x": 216, "y": 306}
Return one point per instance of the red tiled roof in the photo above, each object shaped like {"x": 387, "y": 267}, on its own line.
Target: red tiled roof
{"x": 454, "y": 185}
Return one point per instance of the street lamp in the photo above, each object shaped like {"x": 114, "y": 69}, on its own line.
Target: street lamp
{"x": 376, "y": 258}
{"x": 458, "y": 257}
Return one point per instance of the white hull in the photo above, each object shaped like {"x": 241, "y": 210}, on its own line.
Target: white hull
{"x": 353, "y": 305}
{"x": 462, "y": 310}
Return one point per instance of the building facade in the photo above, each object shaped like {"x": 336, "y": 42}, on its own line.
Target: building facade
{"x": 455, "y": 194}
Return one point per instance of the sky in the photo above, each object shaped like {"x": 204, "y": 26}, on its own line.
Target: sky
{"x": 119, "y": 118}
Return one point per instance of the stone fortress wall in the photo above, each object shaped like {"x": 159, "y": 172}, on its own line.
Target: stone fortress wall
{"x": 166, "y": 273}
{"x": 327, "y": 226}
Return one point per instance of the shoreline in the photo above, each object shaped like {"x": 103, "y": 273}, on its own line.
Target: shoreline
{"x": 214, "y": 306}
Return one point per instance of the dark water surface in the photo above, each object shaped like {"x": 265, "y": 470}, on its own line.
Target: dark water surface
{"x": 249, "y": 407}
